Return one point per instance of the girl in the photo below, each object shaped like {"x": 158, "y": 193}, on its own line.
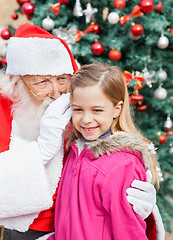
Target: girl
{"x": 107, "y": 153}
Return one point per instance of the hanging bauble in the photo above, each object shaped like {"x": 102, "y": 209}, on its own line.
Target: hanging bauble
{"x": 28, "y": 8}
{"x": 163, "y": 42}
{"x": 136, "y": 97}
{"x": 4, "y": 61}
{"x": 162, "y": 74}
{"x": 63, "y": 1}
{"x": 48, "y": 23}
{"x": 89, "y": 13}
{"x": 160, "y": 93}
{"x": 147, "y": 77}
{"x": 168, "y": 123}
{"x": 5, "y": 34}
{"x": 171, "y": 30}
{"x": 97, "y": 48}
{"x": 14, "y": 16}
{"x": 142, "y": 108}
{"x": 162, "y": 139}
{"x": 135, "y": 38}
{"x": 137, "y": 30}
{"x": 159, "y": 7}
{"x": 146, "y": 6}
{"x": 114, "y": 55}
{"x": 77, "y": 10}
{"x": 20, "y": 2}
{"x": 95, "y": 28}
{"x": 113, "y": 17}
{"x": 169, "y": 133}
{"x": 119, "y": 3}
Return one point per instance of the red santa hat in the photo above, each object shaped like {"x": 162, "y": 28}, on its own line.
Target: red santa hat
{"x": 34, "y": 51}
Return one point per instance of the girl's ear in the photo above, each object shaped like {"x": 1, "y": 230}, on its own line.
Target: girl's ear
{"x": 117, "y": 109}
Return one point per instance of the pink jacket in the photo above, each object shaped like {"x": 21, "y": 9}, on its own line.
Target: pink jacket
{"x": 91, "y": 202}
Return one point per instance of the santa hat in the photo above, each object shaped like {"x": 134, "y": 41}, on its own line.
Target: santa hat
{"x": 34, "y": 51}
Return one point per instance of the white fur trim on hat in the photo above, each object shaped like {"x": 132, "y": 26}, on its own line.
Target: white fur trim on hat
{"x": 37, "y": 56}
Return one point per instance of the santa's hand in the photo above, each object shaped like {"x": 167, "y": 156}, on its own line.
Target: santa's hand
{"x": 52, "y": 125}
{"x": 142, "y": 195}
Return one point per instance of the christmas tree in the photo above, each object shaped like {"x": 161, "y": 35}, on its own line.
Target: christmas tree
{"x": 136, "y": 35}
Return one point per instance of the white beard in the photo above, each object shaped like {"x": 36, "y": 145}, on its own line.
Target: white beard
{"x": 25, "y": 112}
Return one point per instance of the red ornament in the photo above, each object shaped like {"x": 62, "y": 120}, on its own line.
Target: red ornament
{"x": 95, "y": 28}
{"x": 146, "y": 6}
{"x": 28, "y": 8}
{"x": 142, "y": 108}
{"x": 137, "y": 97}
{"x": 171, "y": 30}
{"x": 162, "y": 139}
{"x": 114, "y": 55}
{"x": 14, "y": 16}
{"x": 6, "y": 34}
{"x": 159, "y": 7}
{"x": 137, "y": 30}
{"x": 169, "y": 133}
{"x": 20, "y": 2}
{"x": 4, "y": 60}
{"x": 97, "y": 48}
{"x": 63, "y": 1}
{"x": 119, "y": 3}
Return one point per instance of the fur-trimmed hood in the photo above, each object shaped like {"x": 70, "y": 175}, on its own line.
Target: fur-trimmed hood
{"x": 118, "y": 141}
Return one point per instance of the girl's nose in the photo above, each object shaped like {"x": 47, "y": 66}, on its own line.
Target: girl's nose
{"x": 86, "y": 118}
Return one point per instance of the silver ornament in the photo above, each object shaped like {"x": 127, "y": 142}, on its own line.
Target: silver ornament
{"x": 113, "y": 17}
{"x": 160, "y": 93}
{"x": 67, "y": 34}
{"x": 77, "y": 11}
{"x": 168, "y": 123}
{"x": 162, "y": 74}
{"x": 48, "y": 23}
{"x": 163, "y": 42}
{"x": 89, "y": 13}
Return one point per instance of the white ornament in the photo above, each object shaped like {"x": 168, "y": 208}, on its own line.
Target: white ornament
{"x": 77, "y": 11}
{"x": 163, "y": 42}
{"x": 147, "y": 77}
{"x": 113, "y": 17}
{"x": 48, "y": 23}
{"x": 89, "y": 13}
{"x": 168, "y": 123}
{"x": 135, "y": 38}
{"x": 160, "y": 93}
{"x": 162, "y": 74}
{"x": 67, "y": 34}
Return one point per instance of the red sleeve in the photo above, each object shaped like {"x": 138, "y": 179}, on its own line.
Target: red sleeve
{"x": 5, "y": 123}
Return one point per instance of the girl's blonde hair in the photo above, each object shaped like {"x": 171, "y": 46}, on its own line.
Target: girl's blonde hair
{"x": 112, "y": 82}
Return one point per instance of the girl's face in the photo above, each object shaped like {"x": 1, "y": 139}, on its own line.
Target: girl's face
{"x": 92, "y": 111}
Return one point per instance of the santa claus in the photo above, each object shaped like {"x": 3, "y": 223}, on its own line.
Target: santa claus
{"x": 33, "y": 102}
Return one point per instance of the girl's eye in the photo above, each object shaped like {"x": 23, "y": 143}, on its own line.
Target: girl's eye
{"x": 77, "y": 109}
{"x": 98, "y": 110}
